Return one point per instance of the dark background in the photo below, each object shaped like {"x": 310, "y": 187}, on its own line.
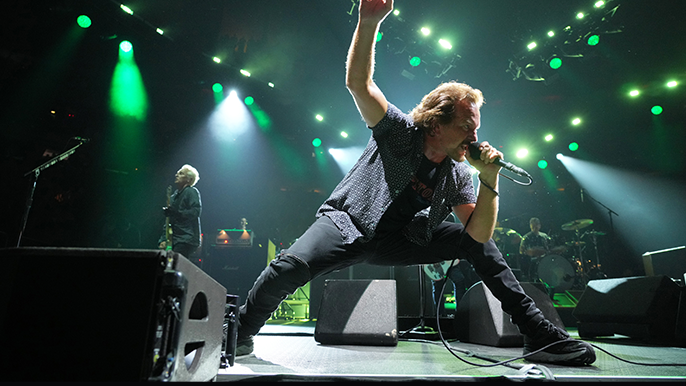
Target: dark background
{"x": 98, "y": 197}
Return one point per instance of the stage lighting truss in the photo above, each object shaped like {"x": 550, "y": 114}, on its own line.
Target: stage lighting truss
{"x": 422, "y": 55}
{"x": 576, "y": 40}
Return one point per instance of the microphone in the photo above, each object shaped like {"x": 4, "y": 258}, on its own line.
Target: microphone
{"x": 84, "y": 140}
{"x": 475, "y": 153}
{"x": 582, "y": 195}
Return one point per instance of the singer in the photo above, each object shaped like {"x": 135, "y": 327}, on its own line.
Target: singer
{"x": 391, "y": 207}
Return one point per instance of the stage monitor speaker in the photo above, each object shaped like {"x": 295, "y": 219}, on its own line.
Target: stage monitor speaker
{"x": 73, "y": 314}
{"x": 641, "y": 307}
{"x": 358, "y": 312}
{"x": 480, "y": 318}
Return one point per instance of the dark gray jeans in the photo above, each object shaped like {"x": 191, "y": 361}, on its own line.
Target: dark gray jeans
{"x": 321, "y": 250}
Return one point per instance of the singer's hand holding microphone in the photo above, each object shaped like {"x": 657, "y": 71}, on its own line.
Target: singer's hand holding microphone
{"x": 476, "y": 151}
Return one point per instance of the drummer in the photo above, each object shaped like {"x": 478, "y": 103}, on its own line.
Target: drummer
{"x": 537, "y": 244}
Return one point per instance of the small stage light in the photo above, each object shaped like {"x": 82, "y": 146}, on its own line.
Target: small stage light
{"x": 555, "y": 63}
{"x": 531, "y": 46}
{"x": 672, "y": 83}
{"x": 551, "y": 33}
{"x": 216, "y": 60}
{"x": 159, "y": 31}
{"x": 634, "y": 93}
{"x": 425, "y": 31}
{"x": 344, "y": 134}
{"x": 217, "y": 87}
{"x": 126, "y": 9}
{"x": 445, "y": 44}
{"x": 249, "y": 101}
{"x": 548, "y": 137}
{"x": 245, "y": 73}
{"x": 319, "y": 117}
{"x": 83, "y": 21}
{"x": 415, "y": 61}
{"x": 573, "y": 146}
{"x": 316, "y": 142}
{"x": 125, "y": 46}
{"x": 542, "y": 164}
{"x": 656, "y": 110}
{"x": 593, "y": 40}
{"x": 576, "y": 121}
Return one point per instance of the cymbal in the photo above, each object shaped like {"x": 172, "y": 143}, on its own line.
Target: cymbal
{"x": 576, "y": 225}
{"x": 506, "y": 233}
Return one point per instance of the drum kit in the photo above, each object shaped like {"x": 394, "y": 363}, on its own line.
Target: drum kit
{"x": 564, "y": 266}
{"x": 561, "y": 273}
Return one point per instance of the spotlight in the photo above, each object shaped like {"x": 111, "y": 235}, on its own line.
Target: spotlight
{"x": 249, "y": 101}
{"x": 542, "y": 164}
{"x": 656, "y": 110}
{"x": 573, "y": 146}
{"x": 125, "y": 46}
{"x": 593, "y": 40}
{"x": 83, "y": 21}
{"x": 319, "y": 117}
{"x": 555, "y": 62}
{"x": 634, "y": 93}
{"x": 415, "y": 61}
{"x": 316, "y": 142}
{"x": 672, "y": 83}
{"x": 217, "y": 87}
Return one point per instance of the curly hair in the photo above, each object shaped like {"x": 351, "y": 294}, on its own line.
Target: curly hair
{"x": 438, "y": 106}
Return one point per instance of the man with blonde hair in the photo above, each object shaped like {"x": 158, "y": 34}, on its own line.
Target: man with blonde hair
{"x": 184, "y": 213}
{"x": 390, "y": 208}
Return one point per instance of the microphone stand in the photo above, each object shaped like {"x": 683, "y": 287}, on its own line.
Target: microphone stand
{"x": 34, "y": 179}
{"x": 422, "y": 329}
{"x": 610, "y": 212}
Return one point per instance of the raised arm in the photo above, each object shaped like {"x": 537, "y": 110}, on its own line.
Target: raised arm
{"x": 369, "y": 99}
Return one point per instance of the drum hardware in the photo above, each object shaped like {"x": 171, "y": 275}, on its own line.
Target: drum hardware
{"x": 556, "y": 272}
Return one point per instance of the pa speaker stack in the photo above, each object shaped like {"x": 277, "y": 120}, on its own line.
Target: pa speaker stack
{"x": 649, "y": 308}
{"x": 71, "y": 314}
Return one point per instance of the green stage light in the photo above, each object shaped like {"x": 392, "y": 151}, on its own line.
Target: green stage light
{"x": 83, "y": 21}
{"x": 551, "y": 33}
{"x": 316, "y": 142}
{"x": 593, "y": 40}
{"x": 425, "y": 31}
{"x": 379, "y": 36}
{"x": 542, "y": 164}
{"x": 599, "y": 4}
{"x": 672, "y": 83}
{"x": 249, "y": 100}
{"x": 573, "y": 146}
{"x": 126, "y": 46}
{"x": 216, "y": 60}
{"x": 445, "y": 44}
{"x": 217, "y": 87}
{"x": 344, "y": 134}
{"x": 319, "y": 117}
{"x": 555, "y": 63}
{"x": 548, "y": 137}
{"x": 634, "y": 93}
{"x": 126, "y": 9}
{"x": 531, "y": 46}
{"x": 415, "y": 61}
{"x": 245, "y": 73}
{"x": 576, "y": 121}
{"x": 656, "y": 110}
{"x": 522, "y": 153}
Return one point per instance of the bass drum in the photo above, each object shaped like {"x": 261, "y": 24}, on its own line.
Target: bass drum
{"x": 557, "y": 272}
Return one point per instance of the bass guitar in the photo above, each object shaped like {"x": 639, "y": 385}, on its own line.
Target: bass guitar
{"x": 437, "y": 271}
{"x": 167, "y": 224}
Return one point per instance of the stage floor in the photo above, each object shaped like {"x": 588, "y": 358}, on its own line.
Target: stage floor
{"x": 286, "y": 351}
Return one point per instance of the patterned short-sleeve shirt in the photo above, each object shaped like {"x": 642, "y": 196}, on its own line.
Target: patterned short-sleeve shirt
{"x": 386, "y": 166}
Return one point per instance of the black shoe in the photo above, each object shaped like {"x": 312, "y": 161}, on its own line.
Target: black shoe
{"x": 568, "y": 351}
{"x": 244, "y": 346}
